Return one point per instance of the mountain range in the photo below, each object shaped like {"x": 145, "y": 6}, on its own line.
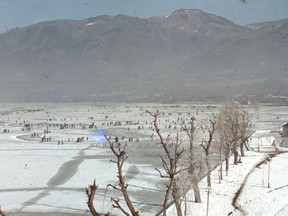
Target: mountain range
{"x": 184, "y": 56}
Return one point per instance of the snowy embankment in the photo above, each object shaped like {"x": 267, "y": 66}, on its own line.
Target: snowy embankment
{"x": 264, "y": 193}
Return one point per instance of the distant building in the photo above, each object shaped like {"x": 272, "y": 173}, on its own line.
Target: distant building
{"x": 284, "y": 142}
{"x": 265, "y": 141}
{"x": 285, "y": 129}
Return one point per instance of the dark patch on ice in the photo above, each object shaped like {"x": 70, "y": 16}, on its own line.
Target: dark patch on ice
{"x": 65, "y": 172}
{"x": 131, "y": 172}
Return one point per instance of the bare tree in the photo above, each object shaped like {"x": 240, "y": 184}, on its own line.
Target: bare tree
{"x": 225, "y": 141}
{"x": 170, "y": 167}
{"x": 221, "y": 143}
{"x": 234, "y": 129}
{"x": 224, "y": 137}
{"x": 227, "y": 148}
{"x": 206, "y": 144}
{"x": 91, "y": 194}
{"x": 120, "y": 153}
{"x": 191, "y": 133}
{"x": 230, "y": 115}
{"x": 244, "y": 127}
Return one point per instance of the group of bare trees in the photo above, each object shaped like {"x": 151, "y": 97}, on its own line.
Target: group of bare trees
{"x": 226, "y": 130}
{"x": 233, "y": 127}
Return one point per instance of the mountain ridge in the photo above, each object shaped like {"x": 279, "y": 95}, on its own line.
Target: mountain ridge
{"x": 178, "y": 57}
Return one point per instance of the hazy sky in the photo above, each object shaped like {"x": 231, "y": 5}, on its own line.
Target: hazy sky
{"x": 19, "y": 13}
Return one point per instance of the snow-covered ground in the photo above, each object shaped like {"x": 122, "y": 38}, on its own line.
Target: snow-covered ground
{"x": 42, "y": 177}
{"x": 264, "y": 193}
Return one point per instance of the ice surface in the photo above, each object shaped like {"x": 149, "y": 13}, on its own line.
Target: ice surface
{"x": 51, "y": 177}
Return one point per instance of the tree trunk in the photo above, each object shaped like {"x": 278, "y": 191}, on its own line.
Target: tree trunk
{"x": 246, "y": 146}
{"x": 220, "y": 167}
{"x": 176, "y": 198}
{"x": 178, "y": 208}
{"x": 235, "y": 152}
{"x": 194, "y": 177}
{"x": 197, "y": 195}
{"x": 208, "y": 170}
{"x": 123, "y": 186}
{"x": 166, "y": 196}
{"x": 227, "y": 165}
{"x": 242, "y": 148}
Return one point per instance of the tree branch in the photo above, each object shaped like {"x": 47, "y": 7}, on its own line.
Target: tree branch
{"x": 117, "y": 205}
{"x": 90, "y": 193}
{"x": 120, "y": 153}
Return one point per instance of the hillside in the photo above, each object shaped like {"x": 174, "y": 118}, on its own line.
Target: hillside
{"x": 186, "y": 55}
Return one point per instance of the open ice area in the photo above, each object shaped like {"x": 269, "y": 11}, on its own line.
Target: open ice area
{"x": 49, "y": 153}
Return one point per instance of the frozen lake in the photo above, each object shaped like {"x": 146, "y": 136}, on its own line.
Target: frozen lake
{"x": 44, "y": 168}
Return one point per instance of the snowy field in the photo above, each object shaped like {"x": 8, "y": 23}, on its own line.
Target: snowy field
{"x": 256, "y": 198}
{"x": 44, "y": 170}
